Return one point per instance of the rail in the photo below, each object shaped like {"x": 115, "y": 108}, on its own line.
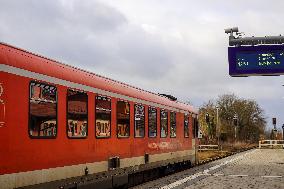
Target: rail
{"x": 208, "y": 147}
{"x": 271, "y": 143}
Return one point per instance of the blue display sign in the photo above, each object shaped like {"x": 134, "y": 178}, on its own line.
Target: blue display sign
{"x": 256, "y": 60}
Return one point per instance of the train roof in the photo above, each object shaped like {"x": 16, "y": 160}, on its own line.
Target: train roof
{"x": 25, "y": 60}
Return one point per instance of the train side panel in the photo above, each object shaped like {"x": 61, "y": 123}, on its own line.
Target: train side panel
{"x": 43, "y": 160}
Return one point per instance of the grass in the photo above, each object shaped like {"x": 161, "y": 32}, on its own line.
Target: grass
{"x": 226, "y": 150}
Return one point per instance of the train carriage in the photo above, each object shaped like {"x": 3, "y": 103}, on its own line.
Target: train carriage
{"x": 61, "y": 126}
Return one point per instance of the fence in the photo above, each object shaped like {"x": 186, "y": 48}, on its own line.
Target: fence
{"x": 271, "y": 143}
{"x": 208, "y": 147}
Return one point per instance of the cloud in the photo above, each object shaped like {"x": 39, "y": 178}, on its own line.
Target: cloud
{"x": 68, "y": 30}
{"x": 176, "y": 47}
{"x": 91, "y": 35}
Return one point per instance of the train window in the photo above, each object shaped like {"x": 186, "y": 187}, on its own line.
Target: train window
{"x": 194, "y": 126}
{"x": 103, "y": 117}
{"x": 77, "y": 114}
{"x": 123, "y": 120}
{"x": 173, "y": 128}
{"x": 152, "y": 125}
{"x": 42, "y": 110}
{"x": 139, "y": 122}
{"x": 186, "y": 127}
{"x": 164, "y": 123}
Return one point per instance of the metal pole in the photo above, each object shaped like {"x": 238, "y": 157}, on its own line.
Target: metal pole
{"x": 218, "y": 128}
{"x": 238, "y": 40}
{"x": 256, "y": 40}
{"x": 235, "y": 134}
{"x": 235, "y": 125}
{"x": 283, "y": 132}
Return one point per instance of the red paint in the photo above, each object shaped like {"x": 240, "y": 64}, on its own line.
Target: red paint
{"x": 18, "y": 152}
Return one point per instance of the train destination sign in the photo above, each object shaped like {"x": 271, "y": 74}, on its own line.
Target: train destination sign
{"x": 256, "y": 60}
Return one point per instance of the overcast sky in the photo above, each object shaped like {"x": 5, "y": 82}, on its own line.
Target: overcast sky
{"x": 166, "y": 46}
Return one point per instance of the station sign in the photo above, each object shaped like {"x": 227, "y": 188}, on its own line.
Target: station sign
{"x": 256, "y": 60}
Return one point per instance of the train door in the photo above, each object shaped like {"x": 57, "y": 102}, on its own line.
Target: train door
{"x": 2, "y": 106}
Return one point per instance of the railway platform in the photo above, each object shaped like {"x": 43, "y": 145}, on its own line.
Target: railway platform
{"x": 256, "y": 168}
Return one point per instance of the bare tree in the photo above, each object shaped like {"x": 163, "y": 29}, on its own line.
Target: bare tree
{"x": 250, "y": 123}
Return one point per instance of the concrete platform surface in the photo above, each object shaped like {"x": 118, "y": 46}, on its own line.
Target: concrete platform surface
{"x": 254, "y": 169}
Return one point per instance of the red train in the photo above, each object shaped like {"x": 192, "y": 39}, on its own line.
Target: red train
{"x": 63, "y": 127}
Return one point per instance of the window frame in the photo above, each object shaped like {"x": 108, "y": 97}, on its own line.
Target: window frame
{"x": 135, "y": 120}
{"x": 110, "y": 121}
{"x": 116, "y": 128}
{"x": 167, "y": 129}
{"x": 175, "y": 119}
{"x": 29, "y": 110}
{"x": 155, "y": 122}
{"x": 82, "y": 137}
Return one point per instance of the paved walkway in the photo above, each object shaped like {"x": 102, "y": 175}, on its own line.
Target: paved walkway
{"x": 262, "y": 168}
{"x": 255, "y": 169}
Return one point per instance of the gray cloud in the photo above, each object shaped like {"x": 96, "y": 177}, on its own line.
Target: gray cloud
{"x": 68, "y": 31}
{"x": 90, "y": 35}
{"x": 176, "y": 47}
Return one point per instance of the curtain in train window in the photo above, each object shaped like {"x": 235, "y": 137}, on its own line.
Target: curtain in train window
{"x": 173, "y": 128}
{"x": 43, "y": 110}
{"x": 152, "y": 116}
{"x": 164, "y": 123}
{"x": 103, "y": 117}
{"x": 186, "y": 126}
{"x": 77, "y": 114}
{"x": 139, "y": 123}
{"x": 123, "y": 120}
